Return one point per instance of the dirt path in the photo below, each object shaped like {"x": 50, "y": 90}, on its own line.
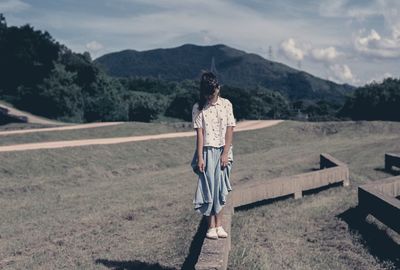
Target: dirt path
{"x": 81, "y": 126}
{"x": 241, "y": 126}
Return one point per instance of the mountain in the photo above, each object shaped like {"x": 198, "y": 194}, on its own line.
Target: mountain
{"x": 233, "y": 67}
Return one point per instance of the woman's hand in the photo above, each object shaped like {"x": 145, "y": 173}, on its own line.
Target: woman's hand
{"x": 224, "y": 160}
{"x": 201, "y": 164}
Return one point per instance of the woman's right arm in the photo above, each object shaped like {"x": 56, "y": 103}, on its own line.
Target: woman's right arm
{"x": 200, "y": 144}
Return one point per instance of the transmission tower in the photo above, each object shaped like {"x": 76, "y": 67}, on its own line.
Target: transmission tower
{"x": 213, "y": 69}
{"x": 270, "y": 54}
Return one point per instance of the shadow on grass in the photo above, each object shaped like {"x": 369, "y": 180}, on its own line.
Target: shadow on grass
{"x": 195, "y": 246}
{"x": 261, "y": 203}
{"x": 377, "y": 241}
{"x": 392, "y": 171}
{"x": 131, "y": 265}
{"x": 281, "y": 198}
{"x": 189, "y": 263}
{"x": 323, "y": 188}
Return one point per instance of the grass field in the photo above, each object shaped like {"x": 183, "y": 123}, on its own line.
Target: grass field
{"x": 320, "y": 231}
{"x": 22, "y": 126}
{"x": 122, "y": 130}
{"x": 129, "y": 206}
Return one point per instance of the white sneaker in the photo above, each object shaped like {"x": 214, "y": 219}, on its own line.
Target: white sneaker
{"x": 212, "y": 233}
{"x": 221, "y": 232}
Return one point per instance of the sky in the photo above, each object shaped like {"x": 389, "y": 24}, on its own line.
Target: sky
{"x": 346, "y": 41}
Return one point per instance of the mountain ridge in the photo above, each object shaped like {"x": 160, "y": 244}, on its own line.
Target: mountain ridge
{"x": 234, "y": 67}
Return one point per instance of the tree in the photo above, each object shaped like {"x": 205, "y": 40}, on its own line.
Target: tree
{"x": 145, "y": 107}
{"x": 149, "y": 85}
{"x": 3, "y": 23}
{"x": 259, "y": 103}
{"x": 187, "y": 94}
{"x": 27, "y": 57}
{"x": 59, "y": 97}
{"x": 104, "y": 101}
{"x": 374, "y": 101}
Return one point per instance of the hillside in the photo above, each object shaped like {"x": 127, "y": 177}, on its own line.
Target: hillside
{"x": 234, "y": 67}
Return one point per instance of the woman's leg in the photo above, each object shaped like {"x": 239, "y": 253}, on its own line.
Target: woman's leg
{"x": 211, "y": 221}
{"x": 218, "y": 219}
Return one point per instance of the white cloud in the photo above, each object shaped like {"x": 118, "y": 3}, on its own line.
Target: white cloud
{"x": 324, "y": 54}
{"x": 252, "y": 26}
{"x": 291, "y": 50}
{"x": 353, "y": 10}
{"x": 373, "y": 44}
{"x": 342, "y": 73}
{"x": 372, "y": 37}
{"x": 170, "y": 22}
{"x": 13, "y": 6}
{"x": 94, "y": 46}
{"x": 300, "y": 50}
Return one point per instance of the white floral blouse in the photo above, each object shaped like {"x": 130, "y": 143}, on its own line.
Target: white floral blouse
{"x": 214, "y": 118}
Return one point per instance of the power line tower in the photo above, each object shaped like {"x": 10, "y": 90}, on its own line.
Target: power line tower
{"x": 213, "y": 69}
{"x": 270, "y": 53}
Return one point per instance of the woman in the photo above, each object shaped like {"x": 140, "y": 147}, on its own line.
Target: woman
{"x": 213, "y": 121}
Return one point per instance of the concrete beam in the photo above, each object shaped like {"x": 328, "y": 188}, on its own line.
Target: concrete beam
{"x": 391, "y": 160}
{"x": 214, "y": 253}
{"x": 379, "y": 200}
{"x": 333, "y": 171}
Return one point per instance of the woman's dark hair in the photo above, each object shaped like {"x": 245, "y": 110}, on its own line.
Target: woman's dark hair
{"x": 208, "y": 84}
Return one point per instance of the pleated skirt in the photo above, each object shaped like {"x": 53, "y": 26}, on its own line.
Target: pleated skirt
{"x": 213, "y": 184}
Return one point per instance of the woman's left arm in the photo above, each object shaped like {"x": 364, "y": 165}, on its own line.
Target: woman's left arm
{"x": 231, "y": 123}
{"x": 228, "y": 142}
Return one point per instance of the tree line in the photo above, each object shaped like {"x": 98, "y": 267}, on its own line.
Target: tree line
{"x": 374, "y": 101}
{"x": 44, "y": 77}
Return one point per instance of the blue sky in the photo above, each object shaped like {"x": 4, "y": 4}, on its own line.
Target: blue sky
{"x": 345, "y": 41}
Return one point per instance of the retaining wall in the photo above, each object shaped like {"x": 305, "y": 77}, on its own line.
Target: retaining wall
{"x": 332, "y": 171}
{"x": 379, "y": 199}
{"x": 391, "y": 160}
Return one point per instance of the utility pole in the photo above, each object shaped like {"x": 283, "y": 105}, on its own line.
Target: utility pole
{"x": 213, "y": 69}
{"x": 270, "y": 54}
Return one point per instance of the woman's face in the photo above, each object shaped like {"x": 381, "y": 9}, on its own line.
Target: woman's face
{"x": 216, "y": 92}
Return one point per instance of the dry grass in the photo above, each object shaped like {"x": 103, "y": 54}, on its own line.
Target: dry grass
{"x": 320, "y": 230}
{"x": 123, "y": 130}
{"x": 70, "y": 208}
{"x": 21, "y": 126}
{"x": 129, "y": 206}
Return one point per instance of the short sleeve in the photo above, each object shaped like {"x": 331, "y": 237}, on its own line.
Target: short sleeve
{"x": 229, "y": 111}
{"x": 231, "y": 122}
{"x": 197, "y": 120}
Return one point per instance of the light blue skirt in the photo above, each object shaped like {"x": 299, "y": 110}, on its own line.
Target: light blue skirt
{"x": 213, "y": 184}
